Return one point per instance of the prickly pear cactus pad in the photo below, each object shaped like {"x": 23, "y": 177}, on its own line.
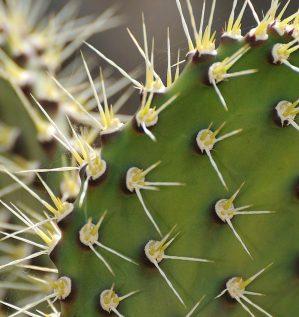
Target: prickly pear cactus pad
{"x": 190, "y": 208}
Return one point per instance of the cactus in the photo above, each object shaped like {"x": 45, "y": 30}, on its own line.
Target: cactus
{"x": 155, "y": 228}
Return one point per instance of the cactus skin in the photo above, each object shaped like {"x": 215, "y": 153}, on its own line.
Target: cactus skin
{"x": 264, "y": 156}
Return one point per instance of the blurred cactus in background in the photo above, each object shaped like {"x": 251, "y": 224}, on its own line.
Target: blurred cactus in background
{"x": 105, "y": 213}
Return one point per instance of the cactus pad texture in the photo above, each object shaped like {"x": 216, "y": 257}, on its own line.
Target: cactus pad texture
{"x": 191, "y": 207}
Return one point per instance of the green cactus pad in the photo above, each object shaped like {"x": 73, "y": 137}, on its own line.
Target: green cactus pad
{"x": 191, "y": 208}
{"x": 263, "y": 155}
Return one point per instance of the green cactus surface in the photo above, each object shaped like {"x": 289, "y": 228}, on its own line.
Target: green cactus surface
{"x": 263, "y": 155}
{"x": 191, "y": 207}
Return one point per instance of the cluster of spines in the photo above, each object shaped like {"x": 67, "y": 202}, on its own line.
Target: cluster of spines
{"x": 88, "y": 158}
{"x": 28, "y": 59}
{"x": 34, "y": 64}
